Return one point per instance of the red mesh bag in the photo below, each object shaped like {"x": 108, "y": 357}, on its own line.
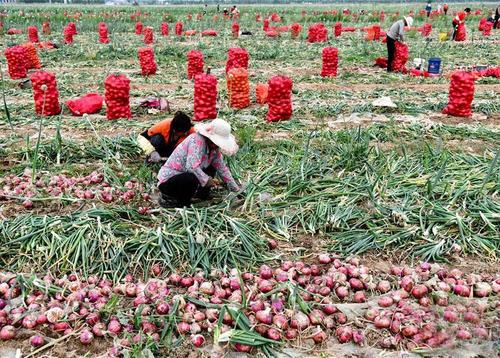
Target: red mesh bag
{"x": 461, "y": 94}
{"x": 426, "y": 29}
{"x": 400, "y": 57}
{"x": 295, "y": 30}
{"x": 209, "y": 33}
{"x": 189, "y": 17}
{"x": 275, "y": 17}
{"x": 147, "y": 61}
{"x": 103, "y": 33}
{"x": 482, "y": 21}
{"x": 46, "y": 28}
{"x": 117, "y": 97}
{"x": 238, "y": 88}
{"x": 279, "y": 99}
{"x": 382, "y": 16}
{"x": 188, "y": 33}
{"x": 68, "y": 35}
{"x": 164, "y": 29}
{"x": 257, "y": 18}
{"x": 14, "y": 31}
{"x": 265, "y": 25}
{"x": 261, "y": 91}
{"x": 16, "y": 62}
{"x": 330, "y": 61}
{"x": 33, "y": 34}
{"x": 283, "y": 28}
{"x": 32, "y": 59}
{"x": 381, "y": 62}
{"x": 236, "y": 57}
{"x": 487, "y": 28}
{"x": 491, "y": 72}
{"x": 235, "y": 29}
{"x": 138, "y": 28}
{"x": 205, "y": 97}
{"x": 272, "y": 33}
{"x": 148, "y": 35}
{"x": 317, "y": 33}
{"x": 461, "y": 34}
{"x": 88, "y": 104}
{"x": 178, "y": 28}
{"x": 72, "y": 28}
{"x": 337, "y": 29}
{"x": 195, "y": 63}
{"x": 348, "y": 29}
{"x": 45, "y": 93}
{"x": 376, "y": 32}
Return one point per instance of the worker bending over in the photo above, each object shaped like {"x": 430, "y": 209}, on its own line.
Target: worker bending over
{"x": 396, "y": 33}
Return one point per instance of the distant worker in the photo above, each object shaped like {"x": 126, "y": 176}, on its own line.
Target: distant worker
{"x": 467, "y": 11}
{"x": 235, "y": 12}
{"x": 396, "y": 33}
{"x": 428, "y": 9}
{"x": 440, "y": 9}
{"x": 218, "y": 7}
{"x": 497, "y": 17}
{"x": 225, "y": 12}
{"x": 205, "y": 9}
{"x": 445, "y": 9}
{"x": 457, "y": 21}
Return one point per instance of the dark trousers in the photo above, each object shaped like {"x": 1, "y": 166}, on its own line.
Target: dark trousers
{"x": 497, "y": 17}
{"x": 391, "y": 50}
{"x": 158, "y": 142}
{"x": 182, "y": 188}
{"x": 455, "y": 27}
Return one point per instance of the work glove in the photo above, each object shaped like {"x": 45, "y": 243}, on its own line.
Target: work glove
{"x": 154, "y": 157}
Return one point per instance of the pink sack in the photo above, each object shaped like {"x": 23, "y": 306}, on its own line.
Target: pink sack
{"x": 88, "y": 104}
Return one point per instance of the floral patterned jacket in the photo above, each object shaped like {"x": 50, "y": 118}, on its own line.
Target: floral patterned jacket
{"x": 192, "y": 156}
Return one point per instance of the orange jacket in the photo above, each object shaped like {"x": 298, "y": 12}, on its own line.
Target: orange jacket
{"x": 163, "y": 128}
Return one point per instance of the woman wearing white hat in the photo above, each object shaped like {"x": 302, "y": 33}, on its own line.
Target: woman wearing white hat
{"x": 189, "y": 170}
{"x": 396, "y": 33}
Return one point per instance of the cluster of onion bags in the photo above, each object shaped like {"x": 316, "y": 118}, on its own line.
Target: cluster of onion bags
{"x": 45, "y": 93}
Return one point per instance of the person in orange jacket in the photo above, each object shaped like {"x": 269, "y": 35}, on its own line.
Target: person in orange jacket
{"x": 445, "y": 9}
{"x": 159, "y": 141}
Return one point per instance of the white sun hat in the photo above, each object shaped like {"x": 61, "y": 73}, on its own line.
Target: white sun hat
{"x": 409, "y": 20}
{"x": 219, "y": 132}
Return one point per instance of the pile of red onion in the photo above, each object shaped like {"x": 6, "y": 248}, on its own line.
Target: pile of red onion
{"x": 89, "y": 187}
{"x": 428, "y": 305}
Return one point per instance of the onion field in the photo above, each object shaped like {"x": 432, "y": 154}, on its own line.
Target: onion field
{"x": 361, "y": 228}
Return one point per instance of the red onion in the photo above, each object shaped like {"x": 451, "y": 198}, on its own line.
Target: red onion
{"x": 395, "y": 326}
{"x": 371, "y": 313}
{"x": 396, "y": 271}
{"x": 187, "y": 281}
{"x": 344, "y": 334}
{"x": 319, "y": 336}
{"x": 300, "y": 321}
{"x": 61, "y": 326}
{"x": 273, "y": 334}
{"x": 261, "y": 329}
{"x": 41, "y": 319}
{"x": 272, "y": 244}
{"x": 29, "y": 322}
{"x": 234, "y": 284}
{"x": 462, "y": 290}
{"x": 385, "y": 301}
{"x": 86, "y": 336}
{"x": 329, "y": 322}
{"x": 471, "y": 317}
{"x": 358, "y": 337}
{"x": 481, "y": 332}
{"x": 162, "y": 308}
{"x": 464, "y": 334}
{"x": 409, "y": 331}
{"x": 384, "y": 286}
{"x": 291, "y": 334}
{"x": 242, "y": 348}
{"x": 406, "y": 283}
{"x": 329, "y": 309}
{"x": 306, "y": 271}
{"x": 277, "y": 305}
{"x": 340, "y": 317}
{"x": 286, "y": 265}
{"x": 98, "y": 329}
{"x": 424, "y": 301}
{"x": 382, "y": 322}
{"x": 264, "y": 316}
{"x": 482, "y": 289}
{"x": 37, "y": 341}
{"x": 183, "y": 327}
{"x": 359, "y": 297}
{"x": 114, "y": 326}
{"x": 7, "y": 333}
{"x": 450, "y": 316}
{"x": 419, "y": 291}
{"x": 280, "y": 321}
{"x": 356, "y": 284}
{"x": 324, "y": 259}
{"x": 342, "y": 292}
{"x": 257, "y": 306}
{"x": 197, "y": 340}
{"x": 265, "y": 286}
{"x": 265, "y": 272}
{"x": 316, "y": 317}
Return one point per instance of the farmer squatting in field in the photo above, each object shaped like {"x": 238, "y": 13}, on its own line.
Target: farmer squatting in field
{"x": 189, "y": 171}
{"x": 396, "y": 33}
{"x": 160, "y": 140}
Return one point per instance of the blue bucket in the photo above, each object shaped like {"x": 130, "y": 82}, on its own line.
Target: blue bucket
{"x": 434, "y": 65}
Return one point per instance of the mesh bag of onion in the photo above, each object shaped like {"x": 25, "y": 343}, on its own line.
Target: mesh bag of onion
{"x": 487, "y": 28}
{"x": 400, "y": 57}
{"x": 236, "y": 57}
{"x": 45, "y": 93}
{"x": 178, "y": 28}
{"x": 205, "y": 97}
{"x": 103, "y": 33}
{"x": 16, "y": 62}
{"x": 235, "y": 29}
{"x": 461, "y": 94}
{"x": 72, "y": 28}
{"x": 33, "y": 34}
{"x": 330, "y": 62}
{"x": 32, "y": 59}
{"x": 138, "y": 28}
{"x": 238, "y": 88}
{"x": 261, "y": 91}
{"x": 46, "y": 28}
{"x": 337, "y": 29}
{"x": 295, "y": 30}
{"x": 148, "y": 35}
{"x": 164, "y": 29}
{"x": 117, "y": 97}
{"x": 147, "y": 61}
{"x": 461, "y": 34}
{"x": 279, "y": 99}
{"x": 317, "y": 33}
{"x": 426, "y": 29}
{"x": 68, "y": 35}
{"x": 195, "y": 63}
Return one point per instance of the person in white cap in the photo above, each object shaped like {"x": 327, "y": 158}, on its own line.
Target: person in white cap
{"x": 189, "y": 171}
{"x": 396, "y": 33}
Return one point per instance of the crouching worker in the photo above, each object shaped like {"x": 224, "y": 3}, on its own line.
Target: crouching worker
{"x": 159, "y": 141}
{"x": 190, "y": 170}
{"x": 396, "y": 33}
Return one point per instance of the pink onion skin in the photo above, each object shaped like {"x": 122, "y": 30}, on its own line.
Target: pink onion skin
{"x": 344, "y": 334}
{"x": 358, "y": 337}
{"x": 98, "y": 329}
{"x": 384, "y": 286}
{"x": 329, "y": 309}
{"x": 319, "y": 336}
{"x": 183, "y": 327}
{"x": 340, "y": 317}
{"x": 481, "y": 332}
{"x": 265, "y": 272}
{"x": 316, "y": 317}
{"x": 409, "y": 331}
{"x": 257, "y": 306}
{"x": 114, "y": 327}
{"x": 280, "y": 321}
{"x": 371, "y": 313}
{"x": 464, "y": 334}
{"x": 471, "y": 317}
{"x": 242, "y": 348}
{"x": 450, "y": 316}
{"x": 406, "y": 283}
{"x": 385, "y": 301}
{"x": 482, "y": 289}
{"x": 37, "y": 341}
{"x": 264, "y": 316}
{"x": 273, "y": 334}
{"x": 381, "y": 322}
{"x": 86, "y": 337}
{"x": 462, "y": 290}
{"x": 265, "y": 286}
{"x": 359, "y": 297}
{"x": 291, "y": 334}
{"x": 342, "y": 292}
{"x": 324, "y": 259}
{"x": 300, "y": 321}
{"x": 419, "y": 291}
{"x": 7, "y": 333}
